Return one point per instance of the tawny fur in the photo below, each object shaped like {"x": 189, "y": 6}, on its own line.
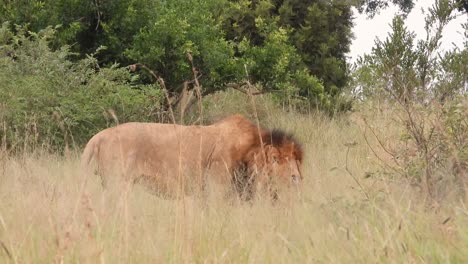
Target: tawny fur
{"x": 163, "y": 155}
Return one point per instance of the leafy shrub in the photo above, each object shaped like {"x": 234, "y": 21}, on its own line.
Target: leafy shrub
{"x": 45, "y": 99}
{"x": 427, "y": 91}
{"x": 278, "y": 42}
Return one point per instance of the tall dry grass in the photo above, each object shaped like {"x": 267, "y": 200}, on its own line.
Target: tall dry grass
{"x": 342, "y": 216}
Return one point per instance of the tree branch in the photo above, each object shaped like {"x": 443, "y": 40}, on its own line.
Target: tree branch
{"x": 239, "y": 87}
{"x": 160, "y": 80}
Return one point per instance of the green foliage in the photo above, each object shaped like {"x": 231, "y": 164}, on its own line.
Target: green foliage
{"x": 391, "y": 65}
{"x": 319, "y": 32}
{"x": 372, "y": 7}
{"x": 48, "y": 100}
{"x": 277, "y": 41}
{"x": 322, "y": 34}
{"x": 452, "y": 73}
{"x": 182, "y": 27}
{"x": 408, "y": 70}
{"x": 86, "y": 25}
{"x": 428, "y": 91}
{"x": 266, "y": 55}
{"x": 277, "y": 65}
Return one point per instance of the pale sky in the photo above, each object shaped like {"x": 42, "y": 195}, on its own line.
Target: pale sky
{"x": 366, "y": 30}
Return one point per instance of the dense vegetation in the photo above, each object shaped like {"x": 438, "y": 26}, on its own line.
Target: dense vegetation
{"x": 48, "y": 100}
{"x": 71, "y": 68}
{"x": 296, "y": 48}
{"x": 385, "y": 139}
{"x": 428, "y": 91}
{"x": 63, "y": 62}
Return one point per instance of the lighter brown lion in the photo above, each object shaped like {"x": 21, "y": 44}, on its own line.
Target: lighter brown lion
{"x": 233, "y": 153}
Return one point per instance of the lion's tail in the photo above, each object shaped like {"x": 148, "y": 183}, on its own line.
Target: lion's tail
{"x": 89, "y": 153}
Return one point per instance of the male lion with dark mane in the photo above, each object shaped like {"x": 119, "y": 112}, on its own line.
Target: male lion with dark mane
{"x": 233, "y": 153}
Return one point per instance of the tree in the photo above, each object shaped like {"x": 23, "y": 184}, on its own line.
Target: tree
{"x": 293, "y": 48}
{"x": 407, "y": 68}
{"x": 372, "y": 7}
{"x": 180, "y": 28}
{"x": 427, "y": 91}
{"x": 392, "y": 63}
{"x": 85, "y": 25}
{"x": 319, "y": 31}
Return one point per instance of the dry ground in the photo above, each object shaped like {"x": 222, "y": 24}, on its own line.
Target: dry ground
{"x": 44, "y": 220}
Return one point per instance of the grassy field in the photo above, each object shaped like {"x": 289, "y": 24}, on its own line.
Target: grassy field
{"x": 340, "y": 217}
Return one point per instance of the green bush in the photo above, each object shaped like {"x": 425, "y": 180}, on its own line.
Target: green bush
{"x": 427, "y": 91}
{"x": 46, "y": 100}
{"x": 279, "y": 42}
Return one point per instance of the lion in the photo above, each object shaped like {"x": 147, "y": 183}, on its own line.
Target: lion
{"x": 232, "y": 152}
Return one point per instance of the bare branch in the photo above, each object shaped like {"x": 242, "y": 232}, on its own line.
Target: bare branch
{"x": 239, "y": 87}
{"x": 378, "y": 156}
{"x": 352, "y": 175}
{"x": 198, "y": 89}
{"x": 6, "y": 250}
{"x": 380, "y": 142}
{"x": 160, "y": 80}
